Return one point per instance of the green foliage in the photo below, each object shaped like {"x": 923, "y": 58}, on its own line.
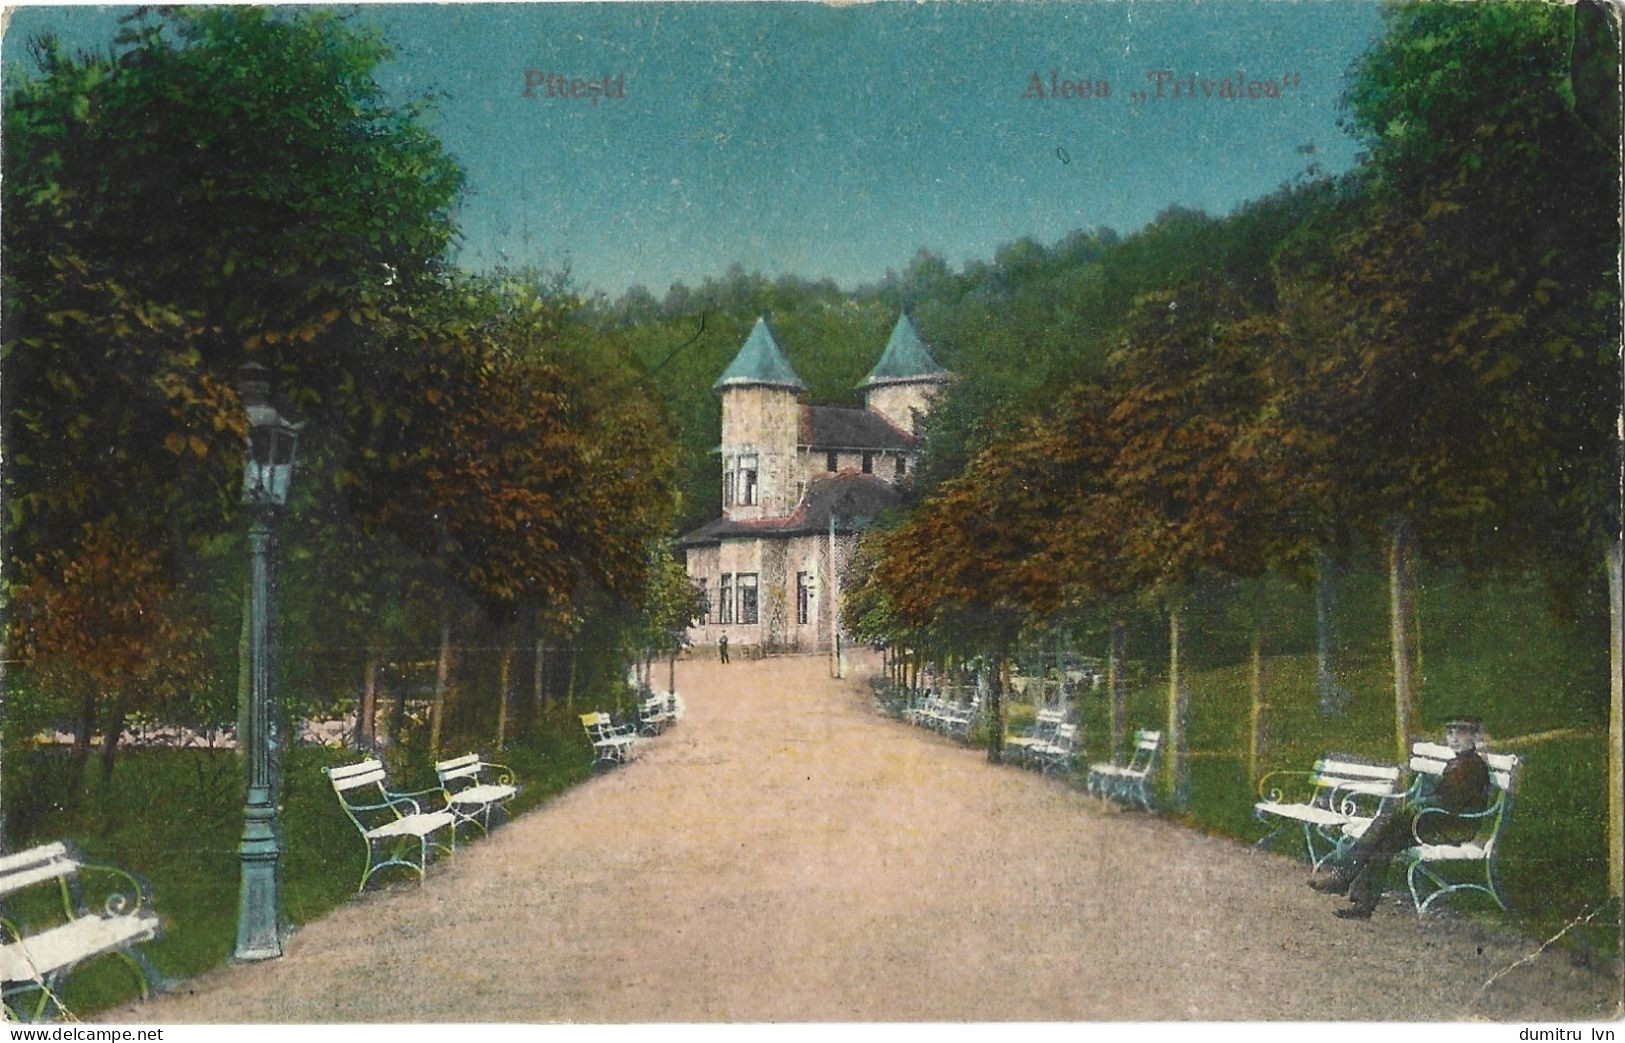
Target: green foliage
{"x": 208, "y": 190}
{"x": 187, "y": 853}
{"x": 231, "y": 183}
{"x": 1476, "y": 368}
{"x": 1494, "y": 649}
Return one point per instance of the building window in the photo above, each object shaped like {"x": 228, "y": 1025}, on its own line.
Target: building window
{"x": 747, "y": 597}
{"x": 747, "y": 480}
{"x": 702, "y": 588}
{"x": 902, "y": 466}
{"x": 727, "y": 481}
{"x": 868, "y": 463}
{"x": 803, "y": 597}
{"x": 832, "y": 461}
{"x": 725, "y": 597}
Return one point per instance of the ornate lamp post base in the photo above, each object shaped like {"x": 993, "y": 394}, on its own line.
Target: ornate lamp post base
{"x": 259, "y": 898}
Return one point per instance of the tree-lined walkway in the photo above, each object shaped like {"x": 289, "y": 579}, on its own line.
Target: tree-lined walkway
{"x": 786, "y": 854}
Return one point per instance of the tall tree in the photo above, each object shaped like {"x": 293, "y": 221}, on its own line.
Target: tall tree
{"x": 208, "y": 190}
{"x": 1189, "y": 386}
{"x": 1473, "y": 381}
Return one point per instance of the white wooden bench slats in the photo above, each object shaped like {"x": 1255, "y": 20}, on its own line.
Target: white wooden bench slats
{"x": 34, "y": 961}
{"x": 475, "y": 788}
{"x": 1056, "y": 754}
{"x": 611, "y": 743}
{"x": 39, "y": 955}
{"x": 1018, "y": 747}
{"x": 1425, "y": 861}
{"x": 655, "y": 714}
{"x": 388, "y": 824}
{"x": 354, "y": 776}
{"x": 48, "y": 853}
{"x": 1131, "y": 781}
{"x": 940, "y": 713}
{"x": 1340, "y": 792}
{"x": 959, "y": 718}
{"x": 57, "y": 867}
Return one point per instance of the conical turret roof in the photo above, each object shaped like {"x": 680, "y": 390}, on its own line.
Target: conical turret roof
{"x": 905, "y": 360}
{"x": 760, "y": 361}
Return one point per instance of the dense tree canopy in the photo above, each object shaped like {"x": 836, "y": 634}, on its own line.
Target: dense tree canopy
{"x": 230, "y": 184}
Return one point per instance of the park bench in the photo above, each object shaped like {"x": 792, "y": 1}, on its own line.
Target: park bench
{"x": 611, "y": 743}
{"x": 928, "y": 711}
{"x": 1430, "y": 865}
{"x": 957, "y": 719}
{"x": 654, "y": 715}
{"x": 475, "y": 789}
{"x": 1338, "y": 792}
{"x": 390, "y": 823}
{"x": 1018, "y": 749}
{"x": 1131, "y": 781}
{"x": 1057, "y": 753}
{"x": 34, "y": 960}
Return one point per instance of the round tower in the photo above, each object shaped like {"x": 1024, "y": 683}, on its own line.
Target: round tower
{"x": 906, "y": 380}
{"x": 761, "y": 419}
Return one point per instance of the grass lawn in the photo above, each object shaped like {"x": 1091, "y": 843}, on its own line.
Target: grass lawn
{"x": 173, "y": 818}
{"x": 1491, "y": 650}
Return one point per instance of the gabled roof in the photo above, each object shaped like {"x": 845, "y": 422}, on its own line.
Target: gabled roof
{"x": 837, "y": 427}
{"x": 760, "y": 361}
{"x": 905, "y": 360}
{"x": 852, "y": 500}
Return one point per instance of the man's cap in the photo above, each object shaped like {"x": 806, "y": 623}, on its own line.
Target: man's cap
{"x": 1465, "y": 723}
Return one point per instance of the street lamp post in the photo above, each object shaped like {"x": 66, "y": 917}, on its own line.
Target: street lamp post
{"x": 267, "y": 473}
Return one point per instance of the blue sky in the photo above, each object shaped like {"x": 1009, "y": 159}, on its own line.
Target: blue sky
{"x": 836, "y": 141}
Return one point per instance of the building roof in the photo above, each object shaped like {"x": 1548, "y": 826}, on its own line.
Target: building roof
{"x": 853, "y": 500}
{"x": 761, "y": 361}
{"x": 905, "y": 360}
{"x": 836, "y": 427}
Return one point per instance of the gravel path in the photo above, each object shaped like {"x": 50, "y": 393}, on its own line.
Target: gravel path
{"x": 787, "y": 854}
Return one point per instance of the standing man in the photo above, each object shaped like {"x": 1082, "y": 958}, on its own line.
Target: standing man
{"x": 722, "y": 647}
{"x": 1463, "y": 789}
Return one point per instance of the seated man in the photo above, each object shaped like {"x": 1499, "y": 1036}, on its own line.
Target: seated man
{"x": 1463, "y": 789}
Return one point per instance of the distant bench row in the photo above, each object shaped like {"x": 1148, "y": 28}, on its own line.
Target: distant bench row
{"x": 402, "y": 828}
{"x": 1051, "y": 744}
{"x": 615, "y": 741}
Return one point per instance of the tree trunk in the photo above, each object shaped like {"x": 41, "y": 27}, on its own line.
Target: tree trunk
{"x": 115, "y": 730}
{"x": 1117, "y": 685}
{"x": 81, "y": 741}
{"x": 994, "y": 712}
{"x": 1325, "y": 677}
{"x": 442, "y": 686}
{"x": 397, "y": 717}
{"x": 1616, "y": 723}
{"x": 504, "y": 676}
{"x": 671, "y": 673}
{"x": 1255, "y": 742}
{"x": 1178, "y": 707}
{"x": 539, "y": 677}
{"x": 1402, "y": 618}
{"x": 570, "y": 688}
{"x": 366, "y": 716}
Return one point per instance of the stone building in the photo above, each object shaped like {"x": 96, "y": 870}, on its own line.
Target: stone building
{"x": 799, "y": 482}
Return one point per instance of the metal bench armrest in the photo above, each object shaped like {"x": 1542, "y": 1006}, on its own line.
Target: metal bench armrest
{"x": 117, "y": 902}
{"x": 504, "y": 775}
{"x": 1275, "y": 795}
{"x": 395, "y": 803}
{"x": 412, "y": 792}
{"x": 1471, "y": 816}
